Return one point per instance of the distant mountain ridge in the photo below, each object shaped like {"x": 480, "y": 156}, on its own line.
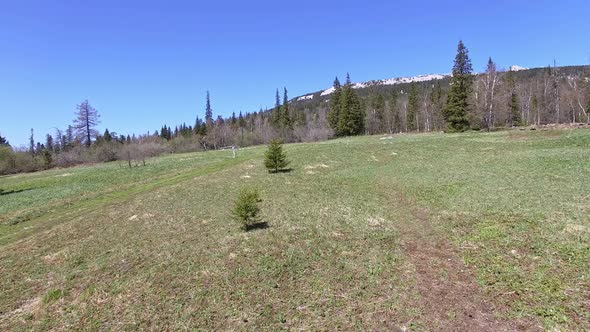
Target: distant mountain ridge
{"x": 391, "y": 81}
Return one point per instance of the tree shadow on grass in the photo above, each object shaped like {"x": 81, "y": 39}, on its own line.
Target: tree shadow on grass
{"x": 284, "y": 170}
{"x": 2, "y": 192}
{"x": 257, "y": 226}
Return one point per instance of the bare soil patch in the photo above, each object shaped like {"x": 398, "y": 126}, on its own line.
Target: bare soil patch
{"x": 449, "y": 297}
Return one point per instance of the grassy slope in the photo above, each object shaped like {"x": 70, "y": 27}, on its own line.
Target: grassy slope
{"x": 153, "y": 247}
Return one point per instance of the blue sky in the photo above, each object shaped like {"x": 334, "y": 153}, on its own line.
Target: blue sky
{"x": 146, "y": 63}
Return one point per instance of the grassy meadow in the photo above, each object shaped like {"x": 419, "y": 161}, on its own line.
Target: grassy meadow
{"x": 418, "y": 232}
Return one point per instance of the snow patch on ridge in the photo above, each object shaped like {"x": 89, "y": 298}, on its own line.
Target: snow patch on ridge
{"x": 391, "y": 81}
{"x": 308, "y": 97}
{"x": 517, "y": 68}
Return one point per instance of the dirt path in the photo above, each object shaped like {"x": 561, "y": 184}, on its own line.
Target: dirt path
{"x": 449, "y": 298}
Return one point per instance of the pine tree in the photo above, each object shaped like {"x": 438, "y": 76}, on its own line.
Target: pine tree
{"x": 208, "y": 112}
{"x": 413, "y": 106}
{"x": 4, "y": 141}
{"x": 286, "y": 122}
{"x": 86, "y": 120}
{"x": 233, "y": 120}
{"x": 513, "y": 103}
{"x": 32, "y": 143}
{"x": 49, "y": 142}
{"x": 275, "y": 159}
{"x": 69, "y": 138}
{"x": 457, "y": 108}
{"x": 351, "y": 120}
{"x": 107, "y": 136}
{"x": 436, "y": 98}
{"x": 241, "y": 120}
{"x": 335, "y": 105}
{"x": 246, "y": 210}
{"x": 394, "y": 117}
{"x": 515, "y": 117}
{"x": 276, "y": 113}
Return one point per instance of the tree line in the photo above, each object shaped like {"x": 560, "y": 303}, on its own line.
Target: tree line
{"x": 489, "y": 101}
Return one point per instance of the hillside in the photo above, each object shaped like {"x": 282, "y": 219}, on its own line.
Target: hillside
{"x": 472, "y": 231}
{"x": 524, "y": 75}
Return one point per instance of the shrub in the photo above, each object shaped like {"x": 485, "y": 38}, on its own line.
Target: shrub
{"x": 246, "y": 210}
{"x": 275, "y": 159}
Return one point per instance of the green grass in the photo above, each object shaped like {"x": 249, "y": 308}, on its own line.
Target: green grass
{"x": 155, "y": 247}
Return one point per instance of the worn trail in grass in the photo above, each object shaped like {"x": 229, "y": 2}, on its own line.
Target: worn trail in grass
{"x": 472, "y": 231}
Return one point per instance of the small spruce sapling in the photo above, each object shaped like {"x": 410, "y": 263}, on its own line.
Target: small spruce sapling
{"x": 246, "y": 210}
{"x": 275, "y": 159}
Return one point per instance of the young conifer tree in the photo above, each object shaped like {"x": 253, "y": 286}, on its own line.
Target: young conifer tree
{"x": 275, "y": 159}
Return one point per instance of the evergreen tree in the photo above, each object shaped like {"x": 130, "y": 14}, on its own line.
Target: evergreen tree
{"x": 276, "y": 113}
{"x": 513, "y": 102}
{"x": 351, "y": 120}
{"x": 234, "y": 120}
{"x": 515, "y": 117}
{"x": 394, "y": 116}
{"x": 4, "y": 141}
{"x": 286, "y": 122}
{"x": 32, "y": 143}
{"x": 47, "y": 158}
{"x": 107, "y": 136}
{"x": 335, "y": 105}
{"x": 86, "y": 119}
{"x": 208, "y": 112}
{"x": 275, "y": 159}
{"x": 457, "y": 108}
{"x": 49, "y": 142}
{"x": 413, "y": 106}
{"x": 241, "y": 120}
{"x": 69, "y": 137}
{"x": 436, "y": 98}
{"x": 246, "y": 210}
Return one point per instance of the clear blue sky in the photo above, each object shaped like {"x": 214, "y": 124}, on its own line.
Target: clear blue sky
{"x": 146, "y": 63}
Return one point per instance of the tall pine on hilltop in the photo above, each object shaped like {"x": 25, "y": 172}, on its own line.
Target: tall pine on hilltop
{"x": 457, "y": 108}
{"x": 351, "y": 119}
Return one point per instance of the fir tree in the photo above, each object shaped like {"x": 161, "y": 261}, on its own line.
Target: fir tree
{"x": 515, "y": 117}
{"x": 107, "y": 136}
{"x": 413, "y": 106}
{"x": 394, "y": 115}
{"x": 208, "y": 112}
{"x": 32, "y": 143}
{"x": 335, "y": 105}
{"x": 513, "y": 103}
{"x": 69, "y": 137}
{"x": 47, "y": 158}
{"x": 234, "y": 120}
{"x": 276, "y": 112}
{"x": 49, "y": 142}
{"x": 241, "y": 120}
{"x": 457, "y": 108}
{"x": 351, "y": 120}
{"x": 246, "y": 210}
{"x": 286, "y": 122}
{"x": 275, "y": 159}
{"x": 4, "y": 141}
